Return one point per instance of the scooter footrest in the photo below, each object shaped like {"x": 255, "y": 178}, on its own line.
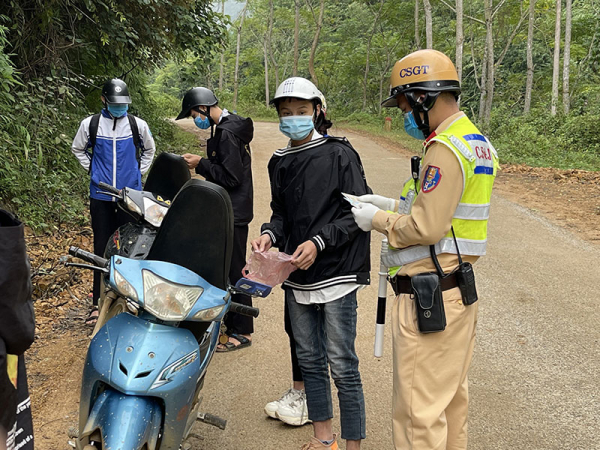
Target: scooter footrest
{"x": 212, "y": 420}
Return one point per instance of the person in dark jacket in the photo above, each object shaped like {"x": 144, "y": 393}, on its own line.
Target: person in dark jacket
{"x": 312, "y": 221}
{"x": 17, "y": 330}
{"x": 228, "y": 164}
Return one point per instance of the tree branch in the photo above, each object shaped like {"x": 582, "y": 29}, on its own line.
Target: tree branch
{"x": 511, "y": 38}
{"x": 475, "y": 19}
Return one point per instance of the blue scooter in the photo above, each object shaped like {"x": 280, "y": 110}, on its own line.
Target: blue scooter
{"x": 145, "y": 368}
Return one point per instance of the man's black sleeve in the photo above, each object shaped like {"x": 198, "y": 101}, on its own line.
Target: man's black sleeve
{"x": 344, "y": 229}
{"x": 228, "y": 169}
{"x": 17, "y": 323}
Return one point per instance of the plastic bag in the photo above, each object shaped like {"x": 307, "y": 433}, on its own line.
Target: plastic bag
{"x": 270, "y": 268}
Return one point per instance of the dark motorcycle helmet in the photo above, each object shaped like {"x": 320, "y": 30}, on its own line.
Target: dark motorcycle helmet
{"x": 198, "y": 96}
{"x": 115, "y": 91}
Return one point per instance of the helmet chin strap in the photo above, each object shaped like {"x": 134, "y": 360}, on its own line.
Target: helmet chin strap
{"x": 420, "y": 104}
{"x": 212, "y": 122}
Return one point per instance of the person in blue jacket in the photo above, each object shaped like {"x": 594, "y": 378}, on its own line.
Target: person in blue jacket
{"x": 117, "y": 149}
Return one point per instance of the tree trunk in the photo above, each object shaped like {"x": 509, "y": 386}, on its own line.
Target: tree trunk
{"x": 296, "y": 37}
{"x": 313, "y": 48}
{"x": 567, "y": 58}
{"x": 366, "y": 76}
{"x": 417, "y": 35}
{"x": 222, "y": 52}
{"x": 529, "y": 83}
{"x": 460, "y": 38}
{"x": 428, "y": 24}
{"x": 270, "y": 47}
{"x": 237, "y": 58}
{"x": 487, "y": 75}
{"x": 556, "y": 66}
{"x": 266, "y": 74}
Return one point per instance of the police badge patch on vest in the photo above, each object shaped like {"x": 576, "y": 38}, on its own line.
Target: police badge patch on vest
{"x": 432, "y": 178}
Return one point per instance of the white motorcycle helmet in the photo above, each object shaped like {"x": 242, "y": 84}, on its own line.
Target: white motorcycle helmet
{"x": 298, "y": 87}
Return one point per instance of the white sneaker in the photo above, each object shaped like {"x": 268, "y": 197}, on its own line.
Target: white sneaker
{"x": 295, "y": 412}
{"x": 272, "y": 407}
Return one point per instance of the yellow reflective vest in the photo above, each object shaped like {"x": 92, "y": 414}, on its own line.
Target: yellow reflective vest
{"x": 479, "y": 162}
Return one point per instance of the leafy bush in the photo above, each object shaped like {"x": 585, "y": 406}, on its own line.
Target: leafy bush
{"x": 39, "y": 177}
{"x": 539, "y": 139}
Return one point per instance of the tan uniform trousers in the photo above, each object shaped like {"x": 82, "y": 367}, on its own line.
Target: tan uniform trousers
{"x": 431, "y": 396}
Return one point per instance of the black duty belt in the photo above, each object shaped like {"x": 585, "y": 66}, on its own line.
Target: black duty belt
{"x": 402, "y": 285}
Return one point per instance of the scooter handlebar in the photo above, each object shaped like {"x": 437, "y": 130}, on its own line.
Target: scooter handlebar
{"x": 109, "y": 188}
{"x": 243, "y": 309}
{"x": 87, "y": 256}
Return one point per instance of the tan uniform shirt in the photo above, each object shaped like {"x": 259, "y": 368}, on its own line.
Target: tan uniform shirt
{"x": 431, "y": 215}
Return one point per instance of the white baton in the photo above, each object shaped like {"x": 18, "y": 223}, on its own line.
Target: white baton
{"x": 381, "y": 299}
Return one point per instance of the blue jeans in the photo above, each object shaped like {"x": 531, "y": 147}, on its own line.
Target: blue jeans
{"x": 326, "y": 332}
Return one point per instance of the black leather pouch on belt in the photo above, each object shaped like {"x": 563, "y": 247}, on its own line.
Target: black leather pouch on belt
{"x": 427, "y": 292}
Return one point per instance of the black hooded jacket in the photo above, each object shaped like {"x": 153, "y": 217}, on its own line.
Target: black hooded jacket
{"x": 17, "y": 322}
{"x": 229, "y": 164}
{"x": 307, "y": 203}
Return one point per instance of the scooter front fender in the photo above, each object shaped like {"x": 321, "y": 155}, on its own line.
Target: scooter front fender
{"x": 126, "y": 422}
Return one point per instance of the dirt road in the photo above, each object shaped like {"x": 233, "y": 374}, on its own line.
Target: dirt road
{"x": 534, "y": 378}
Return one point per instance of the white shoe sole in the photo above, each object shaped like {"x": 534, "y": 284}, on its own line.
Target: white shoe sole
{"x": 294, "y": 421}
{"x": 271, "y": 414}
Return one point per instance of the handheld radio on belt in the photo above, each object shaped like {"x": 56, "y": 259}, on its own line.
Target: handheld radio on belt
{"x": 415, "y": 164}
{"x": 415, "y": 167}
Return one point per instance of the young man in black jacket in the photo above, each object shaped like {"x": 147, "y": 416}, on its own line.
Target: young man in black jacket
{"x": 228, "y": 164}
{"x": 312, "y": 220}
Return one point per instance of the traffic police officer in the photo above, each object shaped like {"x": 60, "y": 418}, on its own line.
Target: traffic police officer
{"x": 441, "y": 219}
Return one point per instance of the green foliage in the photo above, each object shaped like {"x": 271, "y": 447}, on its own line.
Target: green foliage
{"x": 108, "y": 37}
{"x": 539, "y": 139}
{"x": 39, "y": 177}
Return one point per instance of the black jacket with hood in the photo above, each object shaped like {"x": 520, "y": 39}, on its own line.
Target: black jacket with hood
{"x": 17, "y": 322}
{"x": 307, "y": 203}
{"x": 229, "y": 164}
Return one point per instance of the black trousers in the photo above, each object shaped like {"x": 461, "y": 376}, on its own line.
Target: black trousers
{"x": 238, "y": 323}
{"x": 296, "y": 372}
{"x": 106, "y": 219}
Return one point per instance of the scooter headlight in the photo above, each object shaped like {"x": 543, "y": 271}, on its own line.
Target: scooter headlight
{"x": 153, "y": 212}
{"x": 124, "y": 287}
{"x": 168, "y": 300}
{"x": 132, "y": 206}
{"x": 210, "y": 314}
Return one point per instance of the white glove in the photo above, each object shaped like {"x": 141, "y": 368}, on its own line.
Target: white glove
{"x": 363, "y": 215}
{"x": 387, "y": 204}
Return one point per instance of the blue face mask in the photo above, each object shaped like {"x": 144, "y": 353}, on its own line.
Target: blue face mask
{"x": 410, "y": 126}
{"x": 202, "y": 123}
{"x": 296, "y": 127}
{"x": 117, "y": 109}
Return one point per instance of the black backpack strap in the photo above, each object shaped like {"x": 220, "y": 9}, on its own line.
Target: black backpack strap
{"x": 137, "y": 141}
{"x": 93, "y": 132}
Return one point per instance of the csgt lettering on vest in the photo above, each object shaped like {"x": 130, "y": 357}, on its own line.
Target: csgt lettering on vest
{"x": 483, "y": 153}
{"x": 416, "y": 70}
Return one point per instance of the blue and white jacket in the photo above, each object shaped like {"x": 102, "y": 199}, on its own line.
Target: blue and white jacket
{"x": 114, "y": 161}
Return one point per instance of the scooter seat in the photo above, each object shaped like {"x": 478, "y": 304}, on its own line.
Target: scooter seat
{"x": 197, "y": 232}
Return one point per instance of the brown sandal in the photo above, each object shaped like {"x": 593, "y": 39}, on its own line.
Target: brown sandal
{"x": 230, "y": 346}
{"x": 92, "y": 317}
